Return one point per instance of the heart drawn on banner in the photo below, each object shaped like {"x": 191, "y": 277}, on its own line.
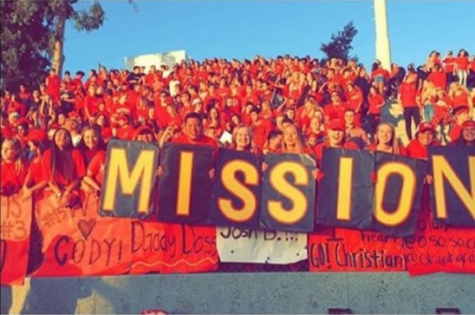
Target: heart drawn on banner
{"x": 86, "y": 227}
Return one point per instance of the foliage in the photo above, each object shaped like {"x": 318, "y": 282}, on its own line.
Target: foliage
{"x": 340, "y": 44}
{"x": 29, "y": 31}
{"x": 25, "y": 42}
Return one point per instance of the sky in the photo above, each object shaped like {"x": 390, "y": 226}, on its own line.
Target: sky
{"x": 242, "y": 29}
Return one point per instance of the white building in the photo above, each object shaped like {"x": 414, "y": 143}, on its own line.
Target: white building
{"x": 169, "y": 59}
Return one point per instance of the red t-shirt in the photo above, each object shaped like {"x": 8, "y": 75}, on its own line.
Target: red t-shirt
{"x": 97, "y": 167}
{"x": 408, "y": 94}
{"x": 89, "y": 155}
{"x": 260, "y": 132}
{"x": 53, "y": 86}
{"x": 462, "y": 63}
{"x": 416, "y": 150}
{"x": 17, "y": 107}
{"x": 78, "y": 168}
{"x": 355, "y": 98}
{"x": 439, "y": 79}
{"x": 126, "y": 132}
{"x": 13, "y": 176}
{"x": 449, "y": 64}
{"x": 335, "y": 112}
{"x": 92, "y": 104}
{"x": 375, "y": 102}
{"x": 202, "y": 140}
{"x": 460, "y": 100}
{"x": 36, "y": 170}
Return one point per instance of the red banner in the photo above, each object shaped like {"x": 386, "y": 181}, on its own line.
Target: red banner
{"x": 172, "y": 248}
{"x": 436, "y": 247}
{"x": 81, "y": 242}
{"x": 354, "y": 250}
{"x": 15, "y": 224}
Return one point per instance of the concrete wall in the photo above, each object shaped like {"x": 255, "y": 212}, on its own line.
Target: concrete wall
{"x": 250, "y": 293}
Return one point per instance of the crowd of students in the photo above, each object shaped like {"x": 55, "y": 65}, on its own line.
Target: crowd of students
{"x": 55, "y": 137}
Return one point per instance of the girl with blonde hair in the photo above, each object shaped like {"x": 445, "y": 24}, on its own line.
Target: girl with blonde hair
{"x": 385, "y": 140}
{"x": 242, "y": 139}
{"x": 14, "y": 169}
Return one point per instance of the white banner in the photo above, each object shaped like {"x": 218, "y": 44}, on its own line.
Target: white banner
{"x": 267, "y": 247}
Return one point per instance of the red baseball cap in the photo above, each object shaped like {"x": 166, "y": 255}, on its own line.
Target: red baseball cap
{"x": 468, "y": 123}
{"x": 142, "y": 130}
{"x": 424, "y": 126}
{"x": 460, "y": 109}
{"x": 336, "y": 124}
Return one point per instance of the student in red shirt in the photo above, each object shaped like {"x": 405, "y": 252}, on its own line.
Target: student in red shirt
{"x": 214, "y": 120}
{"x": 407, "y": 97}
{"x": 90, "y": 102}
{"x": 335, "y": 110}
{"x": 124, "y": 129}
{"x": 35, "y": 181}
{"x": 376, "y": 102}
{"x": 13, "y": 167}
{"x": 292, "y": 141}
{"x": 425, "y": 137}
{"x": 438, "y": 77}
{"x": 103, "y": 122}
{"x": 16, "y": 106}
{"x": 386, "y": 141}
{"x": 97, "y": 164}
{"x": 417, "y": 148}
{"x": 335, "y": 139}
{"x": 24, "y": 95}
{"x": 461, "y": 116}
{"x": 192, "y": 134}
{"x": 467, "y": 134}
{"x": 95, "y": 171}
{"x": 274, "y": 142}
{"x": 145, "y": 134}
{"x": 91, "y": 143}
{"x": 242, "y": 140}
{"x": 353, "y": 132}
{"x": 355, "y": 100}
{"x": 461, "y": 66}
{"x": 379, "y": 76}
{"x": 260, "y": 127}
{"x": 459, "y": 95}
{"x": 53, "y": 85}
{"x": 315, "y": 129}
{"x": 449, "y": 67}
{"x": 63, "y": 168}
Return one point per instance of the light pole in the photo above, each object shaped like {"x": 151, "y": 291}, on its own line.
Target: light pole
{"x": 383, "y": 49}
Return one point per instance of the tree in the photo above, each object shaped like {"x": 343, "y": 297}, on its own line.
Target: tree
{"x": 25, "y": 42}
{"x": 340, "y": 44}
{"x": 88, "y": 20}
{"x": 33, "y": 32}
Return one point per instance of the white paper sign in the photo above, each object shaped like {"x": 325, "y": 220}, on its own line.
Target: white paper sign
{"x": 266, "y": 247}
